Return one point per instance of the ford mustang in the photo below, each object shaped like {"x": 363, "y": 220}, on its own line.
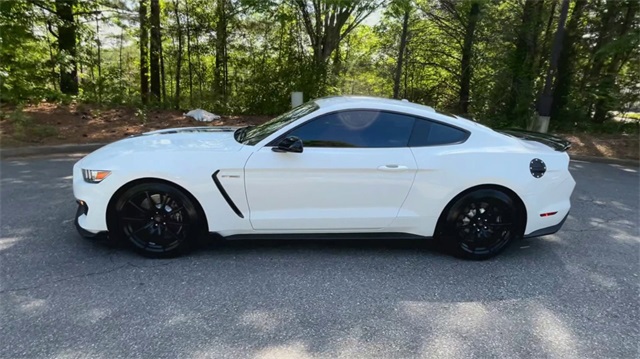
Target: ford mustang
{"x": 336, "y": 167}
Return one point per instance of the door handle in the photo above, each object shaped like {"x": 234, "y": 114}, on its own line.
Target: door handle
{"x": 393, "y": 168}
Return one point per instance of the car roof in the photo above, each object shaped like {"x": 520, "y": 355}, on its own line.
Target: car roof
{"x": 375, "y": 102}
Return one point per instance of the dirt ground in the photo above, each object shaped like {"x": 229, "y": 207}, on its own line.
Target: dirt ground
{"x": 51, "y": 124}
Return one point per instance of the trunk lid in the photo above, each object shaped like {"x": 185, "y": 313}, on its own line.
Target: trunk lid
{"x": 555, "y": 142}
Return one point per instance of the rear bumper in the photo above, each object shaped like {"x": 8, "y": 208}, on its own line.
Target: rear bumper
{"x": 548, "y": 230}
{"x": 548, "y": 202}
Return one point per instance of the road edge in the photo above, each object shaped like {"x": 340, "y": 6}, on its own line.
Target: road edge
{"x": 617, "y": 161}
{"x": 48, "y": 150}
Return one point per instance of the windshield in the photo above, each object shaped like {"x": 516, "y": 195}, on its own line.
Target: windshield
{"x": 252, "y": 135}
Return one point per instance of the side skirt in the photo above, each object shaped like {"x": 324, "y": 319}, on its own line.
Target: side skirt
{"x": 324, "y": 236}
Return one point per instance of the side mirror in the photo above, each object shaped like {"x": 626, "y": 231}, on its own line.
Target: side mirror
{"x": 289, "y": 144}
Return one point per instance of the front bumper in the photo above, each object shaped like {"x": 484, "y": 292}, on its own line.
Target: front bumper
{"x": 82, "y": 212}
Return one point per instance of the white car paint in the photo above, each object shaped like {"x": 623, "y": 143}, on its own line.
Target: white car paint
{"x": 329, "y": 190}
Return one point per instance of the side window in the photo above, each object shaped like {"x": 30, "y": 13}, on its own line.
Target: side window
{"x": 428, "y": 133}
{"x": 361, "y": 128}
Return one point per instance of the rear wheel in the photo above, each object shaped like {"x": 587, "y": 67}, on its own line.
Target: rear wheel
{"x": 159, "y": 220}
{"x": 482, "y": 224}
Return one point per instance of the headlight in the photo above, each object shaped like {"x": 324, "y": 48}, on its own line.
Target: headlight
{"x": 94, "y": 176}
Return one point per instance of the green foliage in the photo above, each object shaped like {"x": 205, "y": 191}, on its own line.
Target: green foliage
{"x": 259, "y": 52}
{"x": 632, "y": 116}
{"x": 142, "y": 115}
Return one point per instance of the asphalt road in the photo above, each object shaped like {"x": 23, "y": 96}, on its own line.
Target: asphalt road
{"x": 570, "y": 295}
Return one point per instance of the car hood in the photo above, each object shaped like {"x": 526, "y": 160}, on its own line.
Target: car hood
{"x": 189, "y": 139}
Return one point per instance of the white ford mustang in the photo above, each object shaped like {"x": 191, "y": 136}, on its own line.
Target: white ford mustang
{"x": 338, "y": 167}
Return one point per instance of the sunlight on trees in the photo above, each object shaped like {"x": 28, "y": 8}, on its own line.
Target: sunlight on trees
{"x": 490, "y": 60}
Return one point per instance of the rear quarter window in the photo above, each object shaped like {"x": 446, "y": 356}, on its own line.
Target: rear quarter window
{"x": 430, "y": 133}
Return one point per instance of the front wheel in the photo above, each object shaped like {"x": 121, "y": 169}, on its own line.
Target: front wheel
{"x": 481, "y": 224}
{"x": 159, "y": 220}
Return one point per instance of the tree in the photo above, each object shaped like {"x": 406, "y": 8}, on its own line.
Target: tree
{"x": 189, "y": 63}
{"x": 220, "y": 71}
{"x": 326, "y": 24}
{"x": 178, "y": 53}
{"x": 546, "y": 98}
{"x": 156, "y": 50}
{"x": 487, "y": 59}
{"x": 467, "y": 54}
{"x": 625, "y": 42}
{"x": 449, "y": 39}
{"x": 566, "y": 60}
{"x": 67, "y": 46}
{"x": 144, "y": 52}
{"x": 404, "y": 7}
{"x": 523, "y": 71}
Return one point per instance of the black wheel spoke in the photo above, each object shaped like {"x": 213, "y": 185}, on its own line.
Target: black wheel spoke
{"x": 176, "y": 211}
{"x": 138, "y": 208}
{"x": 147, "y": 226}
{"x": 501, "y": 224}
{"x": 172, "y": 234}
{"x": 135, "y": 219}
{"x": 165, "y": 201}
{"x": 151, "y": 202}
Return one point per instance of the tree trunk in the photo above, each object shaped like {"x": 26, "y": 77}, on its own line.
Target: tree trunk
{"x": 547, "y": 32}
{"x": 522, "y": 92}
{"x": 401, "y": 50}
{"x": 190, "y": 66}
{"x": 144, "y": 52}
{"x": 219, "y": 80}
{"x": 564, "y": 75}
{"x": 120, "y": 80}
{"x": 156, "y": 44}
{"x": 54, "y": 75}
{"x": 162, "y": 75}
{"x": 178, "y": 56}
{"x": 99, "y": 60}
{"x": 199, "y": 65}
{"x": 605, "y": 34}
{"x": 545, "y": 101}
{"x": 326, "y": 27}
{"x": 467, "y": 54}
{"x": 67, "y": 46}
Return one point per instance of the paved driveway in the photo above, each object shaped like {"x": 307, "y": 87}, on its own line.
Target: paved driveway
{"x": 570, "y": 295}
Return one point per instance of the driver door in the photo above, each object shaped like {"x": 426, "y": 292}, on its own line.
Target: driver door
{"x": 354, "y": 173}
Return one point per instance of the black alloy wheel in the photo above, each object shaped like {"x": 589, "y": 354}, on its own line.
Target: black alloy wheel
{"x": 157, "y": 219}
{"x": 482, "y": 223}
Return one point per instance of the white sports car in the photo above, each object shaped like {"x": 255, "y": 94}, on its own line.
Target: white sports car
{"x": 338, "y": 167}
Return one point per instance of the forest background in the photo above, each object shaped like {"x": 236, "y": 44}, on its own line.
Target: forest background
{"x": 501, "y": 62}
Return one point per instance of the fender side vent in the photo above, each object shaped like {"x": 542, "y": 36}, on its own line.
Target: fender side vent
{"x": 225, "y": 195}
{"x": 537, "y": 167}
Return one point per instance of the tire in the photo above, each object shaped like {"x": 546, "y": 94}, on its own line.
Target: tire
{"x": 157, "y": 219}
{"x": 481, "y": 224}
